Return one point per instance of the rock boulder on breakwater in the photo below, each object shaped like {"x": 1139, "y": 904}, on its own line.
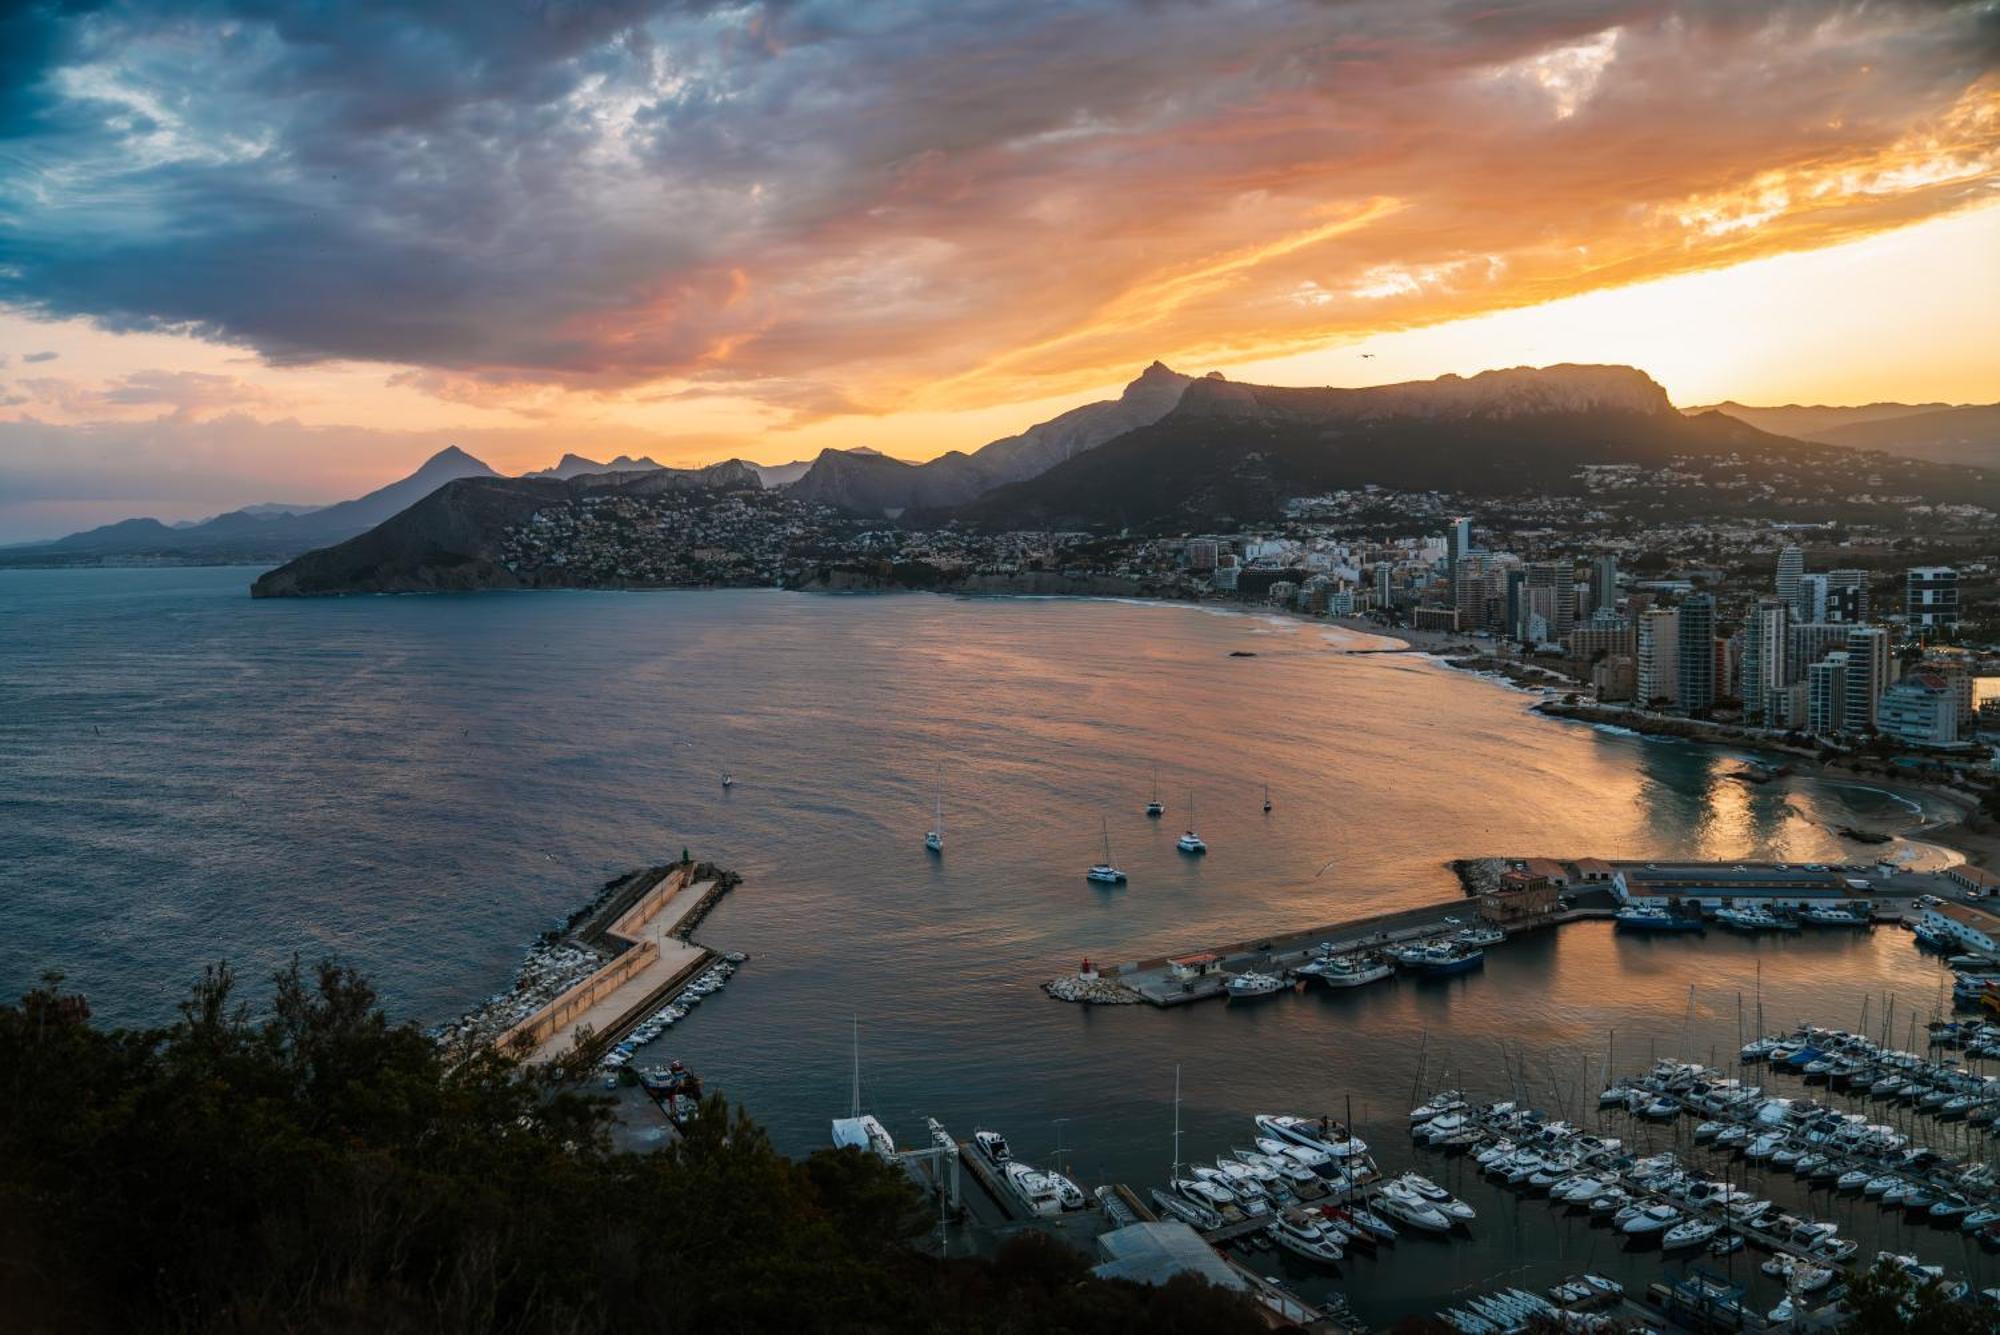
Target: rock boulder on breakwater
{"x": 1091, "y": 991}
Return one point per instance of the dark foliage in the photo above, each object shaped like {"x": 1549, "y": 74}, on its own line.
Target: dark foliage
{"x": 318, "y": 1168}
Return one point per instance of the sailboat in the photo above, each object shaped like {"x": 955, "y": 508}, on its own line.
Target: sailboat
{"x": 1156, "y": 808}
{"x": 1191, "y": 842}
{"x": 1106, "y": 872}
{"x": 859, "y": 1130}
{"x": 1267, "y": 798}
{"x": 728, "y": 779}
{"x": 934, "y": 837}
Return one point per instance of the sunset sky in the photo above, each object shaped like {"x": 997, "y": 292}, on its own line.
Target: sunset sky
{"x": 272, "y": 251}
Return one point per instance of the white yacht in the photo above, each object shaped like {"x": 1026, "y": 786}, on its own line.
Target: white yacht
{"x": 1297, "y": 1232}
{"x": 1156, "y": 808}
{"x": 993, "y": 1145}
{"x": 934, "y": 837}
{"x": 1328, "y": 1137}
{"x": 1191, "y": 842}
{"x": 1404, "y": 1204}
{"x": 1037, "y": 1190}
{"x": 1106, "y": 872}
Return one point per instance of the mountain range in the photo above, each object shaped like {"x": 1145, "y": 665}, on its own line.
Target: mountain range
{"x": 1942, "y": 433}
{"x": 1172, "y": 449}
{"x": 262, "y": 531}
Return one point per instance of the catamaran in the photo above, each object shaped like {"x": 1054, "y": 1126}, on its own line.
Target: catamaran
{"x": 1156, "y": 808}
{"x": 1191, "y": 842}
{"x": 859, "y": 1130}
{"x": 934, "y": 838}
{"x": 1106, "y": 872}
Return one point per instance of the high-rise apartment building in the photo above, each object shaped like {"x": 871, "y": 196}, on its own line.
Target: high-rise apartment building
{"x": 1696, "y": 654}
{"x": 1659, "y": 648}
{"x": 1930, "y": 597}
{"x": 1867, "y": 676}
{"x": 1766, "y": 643}
{"x": 1826, "y": 695}
{"x": 1791, "y": 569}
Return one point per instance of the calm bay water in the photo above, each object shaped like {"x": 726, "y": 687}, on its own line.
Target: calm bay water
{"x": 421, "y": 785}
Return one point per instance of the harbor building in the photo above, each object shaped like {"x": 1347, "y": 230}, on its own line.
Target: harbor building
{"x": 1930, "y": 597}
{"x": 1975, "y": 880}
{"x": 1153, "y": 1253}
{"x": 1971, "y": 927}
{"x": 1722, "y": 885}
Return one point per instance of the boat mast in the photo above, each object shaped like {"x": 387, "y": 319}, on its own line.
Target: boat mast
{"x": 1176, "y": 1170}
{"x": 857, "y": 1067}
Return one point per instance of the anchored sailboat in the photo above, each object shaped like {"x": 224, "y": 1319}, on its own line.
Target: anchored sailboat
{"x": 1106, "y": 872}
{"x": 1156, "y": 808}
{"x": 1191, "y": 842}
{"x": 934, "y": 838}
{"x": 1267, "y": 797}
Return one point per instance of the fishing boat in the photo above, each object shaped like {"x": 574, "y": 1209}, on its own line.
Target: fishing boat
{"x": 1252, "y": 984}
{"x": 1348, "y": 970}
{"x": 1443, "y": 958}
{"x": 934, "y": 838}
{"x": 1106, "y": 872}
{"x": 1651, "y": 918}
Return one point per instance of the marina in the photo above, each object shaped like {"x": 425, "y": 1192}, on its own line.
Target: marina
{"x": 1532, "y": 894}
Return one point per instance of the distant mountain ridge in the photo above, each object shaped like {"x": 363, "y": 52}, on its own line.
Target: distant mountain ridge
{"x": 876, "y": 484}
{"x": 575, "y": 465}
{"x": 1943, "y": 433}
{"x": 263, "y": 530}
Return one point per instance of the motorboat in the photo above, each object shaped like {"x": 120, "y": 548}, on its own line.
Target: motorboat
{"x": 1688, "y": 1233}
{"x": 1299, "y": 1234}
{"x": 1206, "y": 1194}
{"x": 1254, "y": 984}
{"x": 1319, "y": 1161}
{"x": 1651, "y": 1219}
{"x": 1189, "y": 1212}
{"x": 1438, "y": 1198}
{"x": 993, "y": 1145}
{"x": 1408, "y": 1207}
{"x": 1068, "y": 1194}
{"x": 1322, "y": 1134}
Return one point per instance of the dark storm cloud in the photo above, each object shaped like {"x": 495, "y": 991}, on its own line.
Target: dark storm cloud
{"x": 784, "y": 196}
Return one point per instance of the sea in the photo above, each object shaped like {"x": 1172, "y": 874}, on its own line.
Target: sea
{"x": 421, "y": 785}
